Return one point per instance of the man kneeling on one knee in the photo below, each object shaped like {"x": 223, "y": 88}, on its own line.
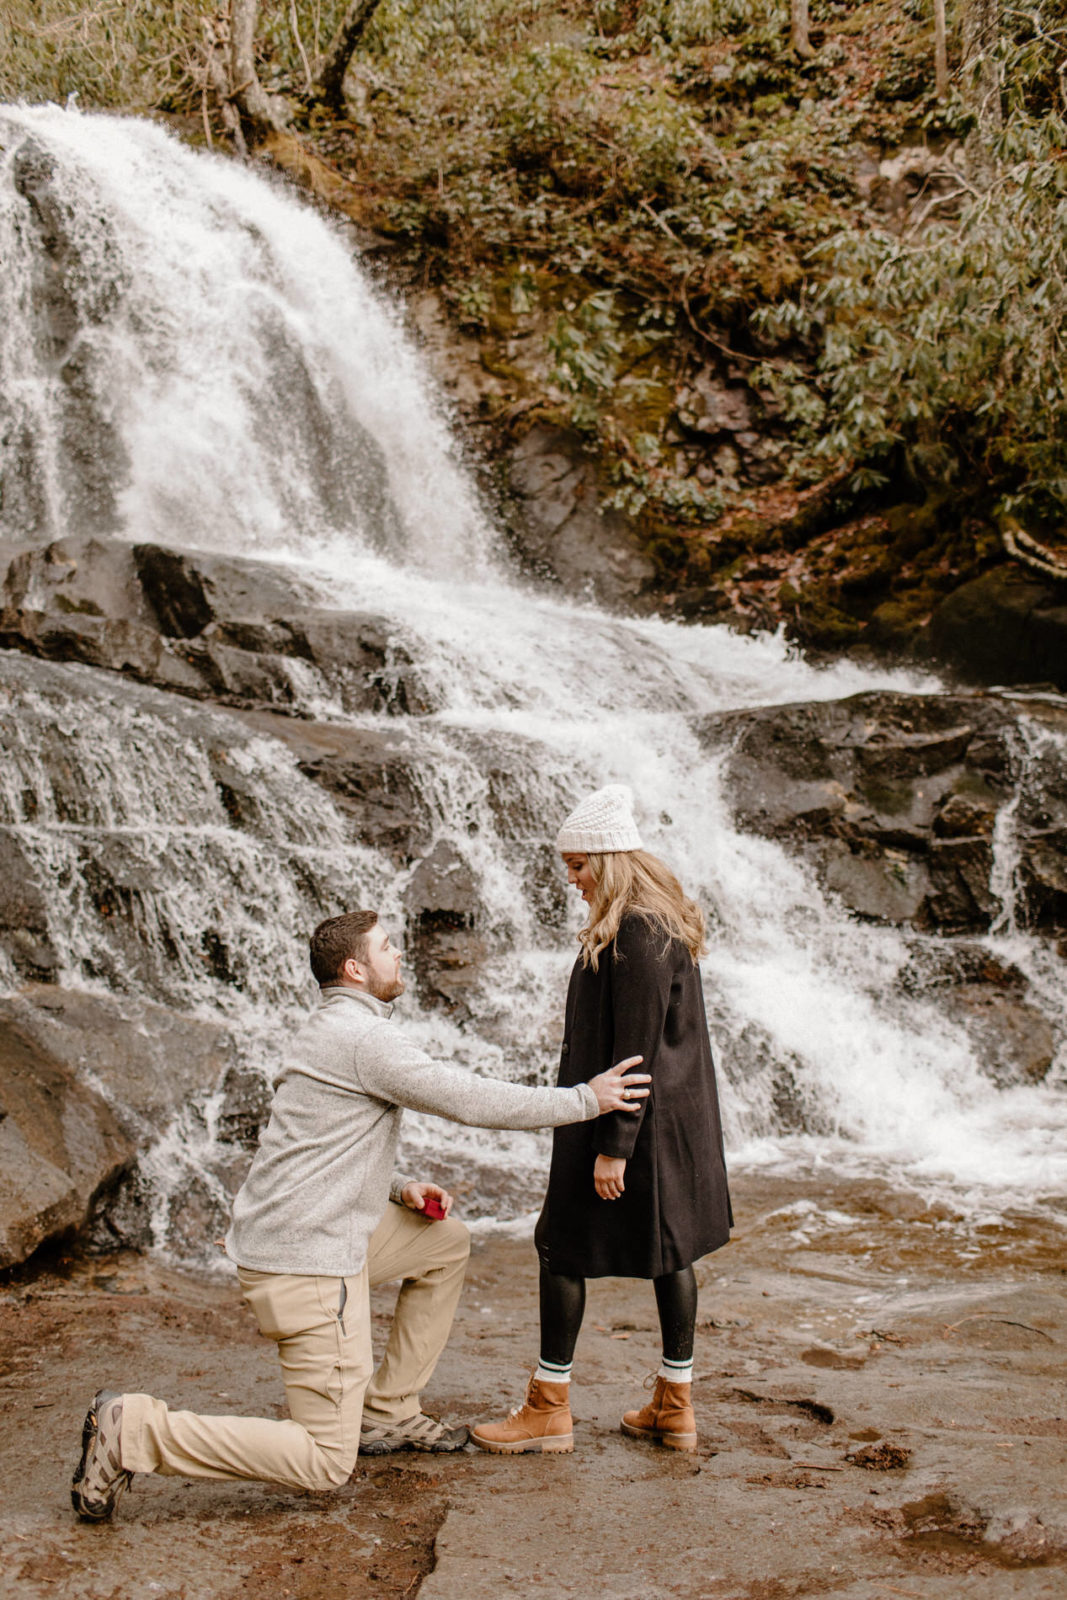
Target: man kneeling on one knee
{"x": 313, "y": 1229}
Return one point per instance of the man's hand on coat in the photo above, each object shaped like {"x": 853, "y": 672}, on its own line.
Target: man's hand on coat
{"x": 608, "y": 1176}
{"x": 414, "y": 1196}
{"x": 616, "y": 1092}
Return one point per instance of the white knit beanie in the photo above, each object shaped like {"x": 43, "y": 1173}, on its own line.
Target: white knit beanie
{"x": 603, "y": 821}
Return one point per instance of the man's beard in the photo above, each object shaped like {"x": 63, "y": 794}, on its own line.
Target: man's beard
{"x": 385, "y": 989}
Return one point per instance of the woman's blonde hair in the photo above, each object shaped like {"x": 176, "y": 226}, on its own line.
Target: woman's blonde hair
{"x": 633, "y": 880}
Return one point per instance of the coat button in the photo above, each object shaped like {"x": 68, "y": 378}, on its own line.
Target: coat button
{"x": 564, "y": 1049}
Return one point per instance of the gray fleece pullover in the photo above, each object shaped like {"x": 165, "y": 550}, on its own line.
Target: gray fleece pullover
{"x": 320, "y": 1180}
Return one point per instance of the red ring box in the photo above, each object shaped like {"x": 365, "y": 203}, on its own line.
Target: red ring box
{"x": 432, "y": 1207}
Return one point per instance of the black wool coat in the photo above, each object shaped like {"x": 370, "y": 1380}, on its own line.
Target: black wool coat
{"x": 644, "y": 999}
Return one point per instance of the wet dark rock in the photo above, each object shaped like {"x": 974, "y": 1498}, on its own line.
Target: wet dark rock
{"x": 214, "y": 627}
{"x": 560, "y": 529}
{"x": 1007, "y": 626}
{"x": 120, "y": 1218}
{"x": 24, "y": 931}
{"x": 154, "y": 1060}
{"x": 894, "y": 799}
{"x": 445, "y": 933}
{"x": 246, "y": 1097}
{"x": 976, "y": 988}
{"x": 196, "y": 1214}
{"x": 174, "y": 589}
{"x": 79, "y": 600}
{"x": 68, "y": 1146}
{"x": 1012, "y": 1039}
{"x": 60, "y": 1143}
{"x": 940, "y": 963}
{"x": 372, "y": 774}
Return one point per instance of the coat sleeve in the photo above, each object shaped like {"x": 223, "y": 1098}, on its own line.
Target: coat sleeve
{"x": 640, "y": 994}
{"x": 392, "y": 1069}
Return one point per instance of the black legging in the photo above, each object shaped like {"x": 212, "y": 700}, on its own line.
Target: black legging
{"x": 563, "y": 1306}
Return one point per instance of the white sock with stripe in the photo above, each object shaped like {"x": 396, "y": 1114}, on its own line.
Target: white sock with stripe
{"x": 553, "y": 1371}
{"x": 676, "y": 1371}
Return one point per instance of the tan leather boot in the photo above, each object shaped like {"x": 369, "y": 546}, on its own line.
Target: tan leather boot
{"x": 542, "y": 1423}
{"x": 667, "y": 1419}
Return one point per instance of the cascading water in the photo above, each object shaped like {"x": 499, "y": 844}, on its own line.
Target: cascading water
{"x": 192, "y": 358}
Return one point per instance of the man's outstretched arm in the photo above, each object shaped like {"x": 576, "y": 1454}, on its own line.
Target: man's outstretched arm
{"x": 392, "y": 1069}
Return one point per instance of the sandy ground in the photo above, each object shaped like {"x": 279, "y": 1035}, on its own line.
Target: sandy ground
{"x": 880, "y": 1393}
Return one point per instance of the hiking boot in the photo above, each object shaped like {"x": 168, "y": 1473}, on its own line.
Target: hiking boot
{"x": 419, "y": 1432}
{"x": 667, "y": 1419}
{"x": 542, "y": 1422}
{"x": 100, "y": 1476}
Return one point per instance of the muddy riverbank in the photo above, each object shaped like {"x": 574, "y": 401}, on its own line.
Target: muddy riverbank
{"x": 880, "y": 1390}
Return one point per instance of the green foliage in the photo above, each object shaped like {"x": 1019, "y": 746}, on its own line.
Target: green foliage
{"x": 947, "y": 342}
{"x": 586, "y": 347}
{"x": 135, "y": 55}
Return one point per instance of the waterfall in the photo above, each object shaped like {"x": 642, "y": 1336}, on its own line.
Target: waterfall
{"x": 190, "y": 356}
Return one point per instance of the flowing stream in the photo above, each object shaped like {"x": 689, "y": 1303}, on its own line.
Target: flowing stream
{"x": 195, "y": 359}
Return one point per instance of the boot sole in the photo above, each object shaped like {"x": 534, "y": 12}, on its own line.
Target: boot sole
{"x": 671, "y": 1441}
{"x": 559, "y": 1444}
{"x": 381, "y": 1448}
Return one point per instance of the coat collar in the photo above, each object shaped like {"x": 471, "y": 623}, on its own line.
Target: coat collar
{"x": 333, "y": 994}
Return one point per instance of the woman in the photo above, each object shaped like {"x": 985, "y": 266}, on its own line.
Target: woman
{"x": 638, "y": 1196}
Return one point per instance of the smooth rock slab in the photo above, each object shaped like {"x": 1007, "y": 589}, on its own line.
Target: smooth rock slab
{"x": 86, "y": 1082}
{"x": 214, "y": 627}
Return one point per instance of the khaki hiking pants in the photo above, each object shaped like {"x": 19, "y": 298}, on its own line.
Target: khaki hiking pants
{"x": 322, "y": 1330}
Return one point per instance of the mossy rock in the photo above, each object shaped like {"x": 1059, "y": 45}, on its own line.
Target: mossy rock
{"x": 896, "y": 624}
{"x": 814, "y": 618}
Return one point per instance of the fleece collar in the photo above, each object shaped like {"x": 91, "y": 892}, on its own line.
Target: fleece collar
{"x": 332, "y": 994}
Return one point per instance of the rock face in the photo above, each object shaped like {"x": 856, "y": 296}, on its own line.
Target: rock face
{"x": 1008, "y": 626}
{"x": 69, "y": 294}
{"x": 213, "y": 627}
{"x": 67, "y": 1143}
{"x": 944, "y": 815}
{"x": 448, "y": 946}
{"x": 560, "y": 530}
{"x": 895, "y": 799}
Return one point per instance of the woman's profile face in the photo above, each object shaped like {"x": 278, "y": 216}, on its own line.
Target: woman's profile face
{"x": 580, "y": 873}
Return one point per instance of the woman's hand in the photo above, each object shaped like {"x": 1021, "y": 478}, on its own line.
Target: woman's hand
{"x": 415, "y": 1195}
{"x": 616, "y": 1092}
{"x": 607, "y": 1176}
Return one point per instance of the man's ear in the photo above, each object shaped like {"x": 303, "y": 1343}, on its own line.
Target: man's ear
{"x": 352, "y": 971}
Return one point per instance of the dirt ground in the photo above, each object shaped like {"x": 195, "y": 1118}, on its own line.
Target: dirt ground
{"x": 880, "y": 1392}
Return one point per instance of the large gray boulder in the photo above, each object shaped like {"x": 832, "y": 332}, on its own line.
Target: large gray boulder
{"x": 86, "y": 1084}
{"x": 220, "y": 628}
{"x": 895, "y": 799}
{"x": 562, "y": 532}
{"x": 1007, "y": 626}
{"x": 447, "y": 935}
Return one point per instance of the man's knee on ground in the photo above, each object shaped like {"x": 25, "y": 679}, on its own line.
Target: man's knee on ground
{"x": 334, "y": 1468}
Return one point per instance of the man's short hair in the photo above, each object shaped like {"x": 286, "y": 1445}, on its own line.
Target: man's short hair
{"x": 338, "y": 940}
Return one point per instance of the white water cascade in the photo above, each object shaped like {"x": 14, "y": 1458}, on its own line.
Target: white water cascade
{"x": 218, "y": 373}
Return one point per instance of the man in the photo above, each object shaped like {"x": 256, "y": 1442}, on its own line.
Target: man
{"x": 313, "y": 1229}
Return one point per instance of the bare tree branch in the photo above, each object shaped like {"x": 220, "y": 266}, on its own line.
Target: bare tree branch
{"x": 940, "y": 51}
{"x": 1026, "y": 549}
{"x": 981, "y": 69}
{"x": 246, "y": 91}
{"x": 798, "y": 28}
{"x": 330, "y": 69}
